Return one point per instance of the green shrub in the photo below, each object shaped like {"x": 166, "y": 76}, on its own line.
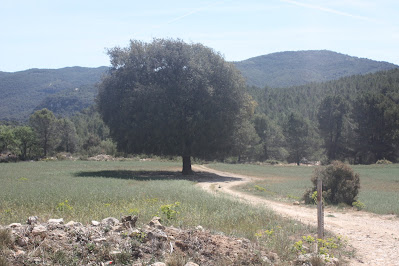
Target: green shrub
{"x": 108, "y": 147}
{"x": 359, "y": 205}
{"x": 340, "y": 184}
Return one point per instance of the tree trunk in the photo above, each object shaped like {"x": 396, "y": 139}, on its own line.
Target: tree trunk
{"x": 187, "y": 165}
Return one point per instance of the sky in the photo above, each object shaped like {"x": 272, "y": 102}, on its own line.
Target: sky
{"x": 58, "y": 33}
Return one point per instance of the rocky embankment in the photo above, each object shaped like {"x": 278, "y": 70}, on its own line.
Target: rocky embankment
{"x": 121, "y": 242}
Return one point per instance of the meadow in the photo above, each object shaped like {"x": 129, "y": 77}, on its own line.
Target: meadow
{"x": 83, "y": 191}
{"x": 379, "y": 183}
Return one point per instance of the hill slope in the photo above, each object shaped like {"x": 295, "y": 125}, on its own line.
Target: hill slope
{"x": 280, "y": 102}
{"x": 24, "y": 91}
{"x": 286, "y": 69}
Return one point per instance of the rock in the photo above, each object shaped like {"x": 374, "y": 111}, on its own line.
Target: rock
{"x": 173, "y": 230}
{"x": 191, "y": 264}
{"x": 158, "y": 264}
{"x": 296, "y": 203}
{"x": 56, "y": 221}
{"x": 333, "y": 261}
{"x": 135, "y": 233}
{"x": 156, "y": 223}
{"x": 15, "y": 225}
{"x": 19, "y": 253}
{"x": 199, "y": 228}
{"x": 61, "y": 235}
{"x": 101, "y": 157}
{"x": 95, "y": 223}
{"x": 111, "y": 221}
{"x": 118, "y": 228}
{"x": 273, "y": 257}
{"x": 73, "y": 224}
{"x": 183, "y": 246}
{"x": 33, "y": 220}
{"x": 99, "y": 240}
{"x": 129, "y": 221}
{"x": 157, "y": 234}
{"x": 39, "y": 230}
{"x": 267, "y": 260}
{"x": 303, "y": 258}
{"x": 22, "y": 241}
{"x": 115, "y": 252}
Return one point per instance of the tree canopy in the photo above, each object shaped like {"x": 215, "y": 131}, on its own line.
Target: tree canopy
{"x": 169, "y": 97}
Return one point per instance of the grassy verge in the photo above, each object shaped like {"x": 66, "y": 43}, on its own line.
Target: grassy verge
{"x": 379, "y": 183}
{"x": 84, "y": 191}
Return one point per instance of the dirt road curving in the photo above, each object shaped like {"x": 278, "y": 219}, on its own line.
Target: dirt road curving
{"x": 375, "y": 237}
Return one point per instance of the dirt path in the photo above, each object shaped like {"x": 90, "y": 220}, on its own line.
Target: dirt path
{"x": 375, "y": 237}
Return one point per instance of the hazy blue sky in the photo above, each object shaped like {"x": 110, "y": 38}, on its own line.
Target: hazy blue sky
{"x": 55, "y": 33}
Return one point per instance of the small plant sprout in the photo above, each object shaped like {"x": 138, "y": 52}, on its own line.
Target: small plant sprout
{"x": 358, "y": 205}
{"x": 259, "y": 188}
{"x": 170, "y": 210}
{"x": 64, "y": 206}
{"x": 269, "y": 232}
{"x": 258, "y": 234}
{"x": 308, "y": 239}
{"x": 298, "y": 246}
{"x": 314, "y": 197}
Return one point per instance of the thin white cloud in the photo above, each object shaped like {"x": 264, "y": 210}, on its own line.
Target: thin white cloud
{"x": 329, "y": 10}
{"x": 193, "y": 12}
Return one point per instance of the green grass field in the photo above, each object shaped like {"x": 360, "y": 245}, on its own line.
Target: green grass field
{"x": 83, "y": 191}
{"x": 379, "y": 183}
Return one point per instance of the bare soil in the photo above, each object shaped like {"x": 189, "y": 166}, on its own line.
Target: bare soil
{"x": 375, "y": 237}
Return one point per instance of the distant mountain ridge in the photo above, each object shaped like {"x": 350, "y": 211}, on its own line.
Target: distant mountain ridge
{"x": 68, "y": 90}
{"x": 294, "y": 68}
{"x": 24, "y": 91}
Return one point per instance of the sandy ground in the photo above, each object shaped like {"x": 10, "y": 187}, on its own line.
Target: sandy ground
{"x": 375, "y": 237}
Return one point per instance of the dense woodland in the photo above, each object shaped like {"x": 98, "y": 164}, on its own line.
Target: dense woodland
{"x": 353, "y": 119}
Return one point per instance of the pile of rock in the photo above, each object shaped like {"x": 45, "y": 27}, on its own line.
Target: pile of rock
{"x": 111, "y": 241}
{"x": 102, "y": 157}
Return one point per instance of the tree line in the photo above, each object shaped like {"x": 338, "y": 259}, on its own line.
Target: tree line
{"x": 171, "y": 98}
{"x": 46, "y": 135}
{"x": 354, "y": 119}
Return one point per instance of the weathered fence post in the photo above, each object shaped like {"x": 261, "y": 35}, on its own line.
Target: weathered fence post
{"x": 320, "y": 209}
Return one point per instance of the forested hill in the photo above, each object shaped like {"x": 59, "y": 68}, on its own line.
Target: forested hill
{"x": 62, "y": 90}
{"x": 68, "y": 90}
{"x": 286, "y": 69}
{"x": 278, "y": 103}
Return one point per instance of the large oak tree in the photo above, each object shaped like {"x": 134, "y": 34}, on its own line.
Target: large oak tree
{"x": 169, "y": 97}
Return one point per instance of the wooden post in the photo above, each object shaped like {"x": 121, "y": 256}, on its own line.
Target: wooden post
{"x": 320, "y": 209}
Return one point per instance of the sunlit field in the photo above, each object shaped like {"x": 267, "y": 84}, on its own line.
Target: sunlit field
{"x": 83, "y": 191}
{"x": 379, "y": 183}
